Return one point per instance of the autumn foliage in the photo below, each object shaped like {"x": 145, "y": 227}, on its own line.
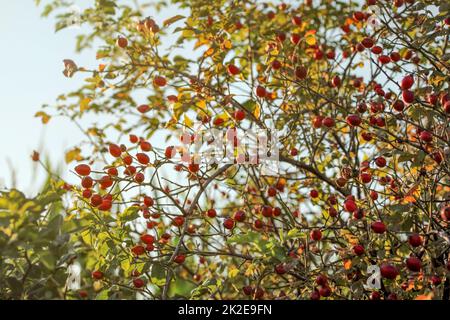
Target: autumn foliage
{"x": 358, "y": 93}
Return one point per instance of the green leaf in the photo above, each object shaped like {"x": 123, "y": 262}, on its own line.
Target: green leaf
{"x": 47, "y": 259}
{"x": 103, "y": 295}
{"x": 130, "y": 214}
{"x": 158, "y": 274}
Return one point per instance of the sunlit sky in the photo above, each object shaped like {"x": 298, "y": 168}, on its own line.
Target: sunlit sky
{"x": 30, "y": 76}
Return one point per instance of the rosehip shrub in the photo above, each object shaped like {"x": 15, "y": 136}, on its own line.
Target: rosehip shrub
{"x": 357, "y": 95}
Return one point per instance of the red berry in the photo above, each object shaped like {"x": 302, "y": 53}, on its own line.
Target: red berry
{"x": 350, "y": 206}
{"x": 328, "y": 122}
{"x": 159, "y": 81}
{"x": 358, "y": 16}
{"x": 83, "y": 169}
{"x": 276, "y": 65}
{"x": 145, "y": 146}
{"x": 316, "y": 235}
{"x": 315, "y": 295}
{"x": 301, "y": 72}
{"x": 395, "y": 56}
{"x": 138, "y": 250}
{"x": 407, "y": 96}
{"x": 367, "y": 42}
{"x": 380, "y": 162}
{"x": 377, "y": 50}
{"x": 388, "y": 271}
{"x": 87, "y": 182}
{"x": 87, "y": 193}
{"x": 276, "y": 212}
{"x": 280, "y": 269}
{"x": 378, "y": 227}
{"x": 133, "y": 138}
{"x": 143, "y": 109}
{"x": 332, "y": 212}
{"x": 336, "y": 81}
{"x": 426, "y": 136}
{"x": 296, "y": 20}
{"x": 147, "y": 238}
{"x": 115, "y": 150}
{"x": 365, "y": 177}
{"x": 96, "y": 200}
{"x": 317, "y": 122}
{"x": 445, "y": 213}
{"x": 398, "y": 105}
{"x": 321, "y": 280}
{"x": 447, "y": 107}
{"x": 169, "y": 153}
{"x": 436, "y": 280}
{"x": 272, "y": 192}
{"x": 281, "y": 36}
{"x": 239, "y": 115}
{"x": 248, "y": 290}
{"x": 233, "y": 70}
{"x": 413, "y": 264}
{"x": 314, "y": 193}
{"x": 384, "y": 59}
{"x": 353, "y": 120}
{"x": 228, "y": 223}
{"x": 180, "y": 258}
{"x": 258, "y": 224}
{"x": 83, "y": 293}
{"x": 261, "y": 91}
{"x": 407, "y": 82}
{"x": 295, "y": 38}
{"x": 325, "y": 291}
{"x": 106, "y": 205}
{"x": 97, "y": 275}
{"x": 239, "y": 216}
{"x": 148, "y": 201}
{"x": 122, "y": 42}
{"x": 138, "y": 283}
{"x": 415, "y": 240}
{"x": 193, "y": 167}
{"x": 211, "y": 213}
{"x": 178, "y": 221}
{"x": 267, "y": 211}
{"x": 143, "y": 158}
{"x": 375, "y": 295}
{"x": 358, "y": 250}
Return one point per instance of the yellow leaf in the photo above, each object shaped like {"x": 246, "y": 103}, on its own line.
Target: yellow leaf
{"x": 188, "y": 33}
{"x": 188, "y": 122}
{"x": 84, "y": 104}
{"x": 101, "y": 67}
{"x": 73, "y": 155}
{"x": 257, "y": 111}
{"x": 425, "y": 296}
{"x": 209, "y": 52}
{"x": 227, "y": 44}
{"x": 250, "y": 270}
{"x": 45, "y": 118}
{"x": 347, "y": 264}
{"x": 233, "y": 272}
{"x": 201, "y": 104}
{"x": 311, "y": 40}
{"x": 200, "y": 42}
{"x": 174, "y": 19}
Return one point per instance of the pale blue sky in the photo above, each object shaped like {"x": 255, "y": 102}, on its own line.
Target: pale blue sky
{"x": 31, "y": 55}
{"x": 30, "y": 76}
